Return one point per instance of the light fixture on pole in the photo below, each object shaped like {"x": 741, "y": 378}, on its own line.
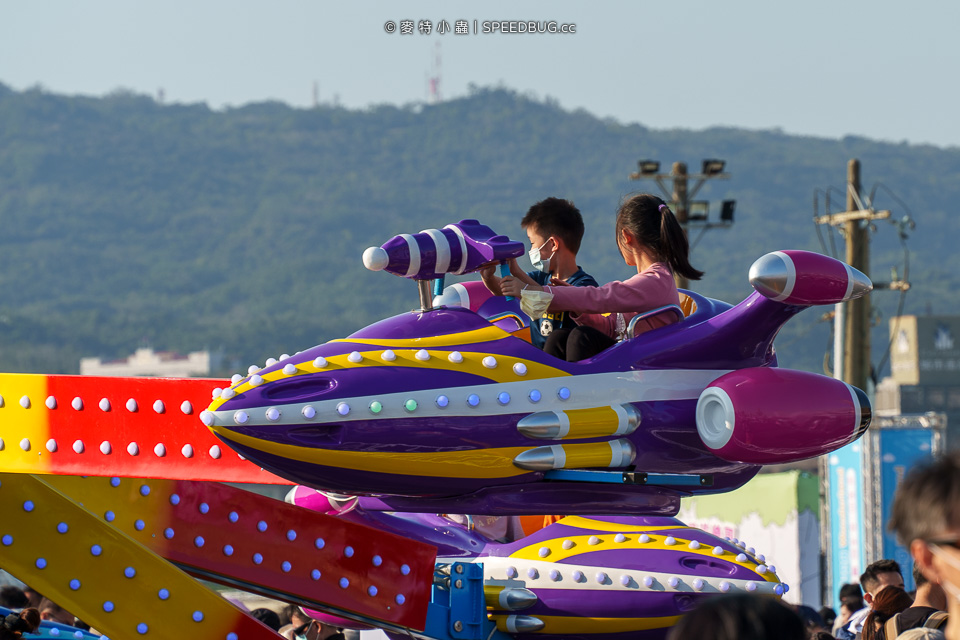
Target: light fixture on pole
{"x": 689, "y": 212}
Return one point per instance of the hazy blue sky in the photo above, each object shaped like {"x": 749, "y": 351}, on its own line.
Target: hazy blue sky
{"x": 885, "y": 69}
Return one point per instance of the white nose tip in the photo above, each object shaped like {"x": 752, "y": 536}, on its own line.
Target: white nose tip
{"x": 375, "y": 259}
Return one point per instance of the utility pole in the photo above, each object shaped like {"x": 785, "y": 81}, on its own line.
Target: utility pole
{"x": 851, "y": 356}
{"x": 679, "y": 196}
{"x": 857, "y": 357}
{"x": 854, "y": 224}
{"x": 689, "y": 212}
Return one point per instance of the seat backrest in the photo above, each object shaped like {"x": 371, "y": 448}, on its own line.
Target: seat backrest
{"x": 665, "y": 312}
{"x": 687, "y": 304}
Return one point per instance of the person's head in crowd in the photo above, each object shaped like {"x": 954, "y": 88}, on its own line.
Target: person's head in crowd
{"x": 929, "y": 594}
{"x": 828, "y": 615}
{"x": 927, "y": 522}
{"x": 879, "y": 575}
{"x": 50, "y": 610}
{"x": 811, "y": 619}
{"x": 888, "y": 602}
{"x": 286, "y": 614}
{"x": 15, "y": 625}
{"x": 851, "y": 601}
{"x": 739, "y": 617}
{"x": 13, "y": 597}
{"x": 299, "y": 617}
{"x": 33, "y": 596}
{"x": 268, "y": 617}
{"x": 298, "y": 625}
{"x": 851, "y": 595}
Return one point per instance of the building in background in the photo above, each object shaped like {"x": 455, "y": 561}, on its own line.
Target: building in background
{"x": 147, "y": 362}
{"x": 924, "y": 371}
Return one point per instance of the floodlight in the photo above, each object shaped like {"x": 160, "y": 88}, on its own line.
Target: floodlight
{"x": 698, "y": 210}
{"x": 712, "y": 167}
{"x": 726, "y": 211}
{"x": 648, "y": 167}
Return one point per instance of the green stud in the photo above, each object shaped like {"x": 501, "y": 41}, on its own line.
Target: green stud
{"x": 411, "y": 405}
{"x": 376, "y": 407}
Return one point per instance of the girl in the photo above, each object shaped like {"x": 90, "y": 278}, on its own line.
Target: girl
{"x": 650, "y": 239}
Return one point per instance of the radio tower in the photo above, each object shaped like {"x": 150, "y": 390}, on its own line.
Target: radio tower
{"x": 434, "y": 80}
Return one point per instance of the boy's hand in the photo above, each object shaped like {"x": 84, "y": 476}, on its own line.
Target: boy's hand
{"x": 557, "y": 282}
{"x": 488, "y": 273}
{"x": 520, "y": 274}
{"x": 511, "y": 286}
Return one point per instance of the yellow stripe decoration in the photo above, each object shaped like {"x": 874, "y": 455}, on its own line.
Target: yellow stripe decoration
{"x": 486, "y": 334}
{"x": 567, "y": 547}
{"x": 581, "y": 522}
{"x": 24, "y": 428}
{"x": 470, "y": 463}
{"x": 569, "y": 625}
{"x": 472, "y": 363}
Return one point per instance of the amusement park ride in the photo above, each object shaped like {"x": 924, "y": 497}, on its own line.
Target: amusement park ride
{"x": 389, "y": 433}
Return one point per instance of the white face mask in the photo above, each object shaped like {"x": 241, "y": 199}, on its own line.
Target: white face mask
{"x": 949, "y": 587}
{"x": 540, "y": 264}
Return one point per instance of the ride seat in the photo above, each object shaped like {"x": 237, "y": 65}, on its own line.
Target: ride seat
{"x": 664, "y": 315}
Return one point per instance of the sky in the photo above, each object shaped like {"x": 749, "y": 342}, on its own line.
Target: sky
{"x": 884, "y": 69}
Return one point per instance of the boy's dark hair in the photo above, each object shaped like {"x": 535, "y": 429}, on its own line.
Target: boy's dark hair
{"x": 918, "y": 578}
{"x": 869, "y": 579}
{"x": 923, "y": 506}
{"x": 650, "y": 221}
{"x": 556, "y": 217}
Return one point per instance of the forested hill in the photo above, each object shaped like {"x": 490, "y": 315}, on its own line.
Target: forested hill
{"x": 126, "y": 222}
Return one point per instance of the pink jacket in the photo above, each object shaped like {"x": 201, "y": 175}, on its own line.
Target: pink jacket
{"x": 598, "y": 306}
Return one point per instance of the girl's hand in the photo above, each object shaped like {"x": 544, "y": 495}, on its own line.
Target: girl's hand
{"x": 557, "y": 282}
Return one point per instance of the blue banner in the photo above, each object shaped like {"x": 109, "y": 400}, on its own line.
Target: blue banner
{"x": 847, "y": 554}
{"x": 899, "y": 450}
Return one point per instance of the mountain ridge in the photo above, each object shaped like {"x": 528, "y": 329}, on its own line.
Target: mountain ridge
{"x": 129, "y": 222}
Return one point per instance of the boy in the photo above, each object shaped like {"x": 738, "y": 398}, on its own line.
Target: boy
{"x": 555, "y": 229}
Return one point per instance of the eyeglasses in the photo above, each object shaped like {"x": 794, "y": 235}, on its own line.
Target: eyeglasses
{"x": 952, "y": 541}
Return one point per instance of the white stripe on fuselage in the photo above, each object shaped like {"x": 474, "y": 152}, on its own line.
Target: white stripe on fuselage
{"x": 586, "y": 391}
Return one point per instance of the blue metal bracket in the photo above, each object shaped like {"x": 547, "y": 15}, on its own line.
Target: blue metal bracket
{"x": 631, "y": 477}
{"x": 457, "y": 608}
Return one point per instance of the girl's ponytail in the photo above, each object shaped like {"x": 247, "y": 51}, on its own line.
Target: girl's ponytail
{"x": 674, "y": 246}
{"x": 650, "y": 220}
